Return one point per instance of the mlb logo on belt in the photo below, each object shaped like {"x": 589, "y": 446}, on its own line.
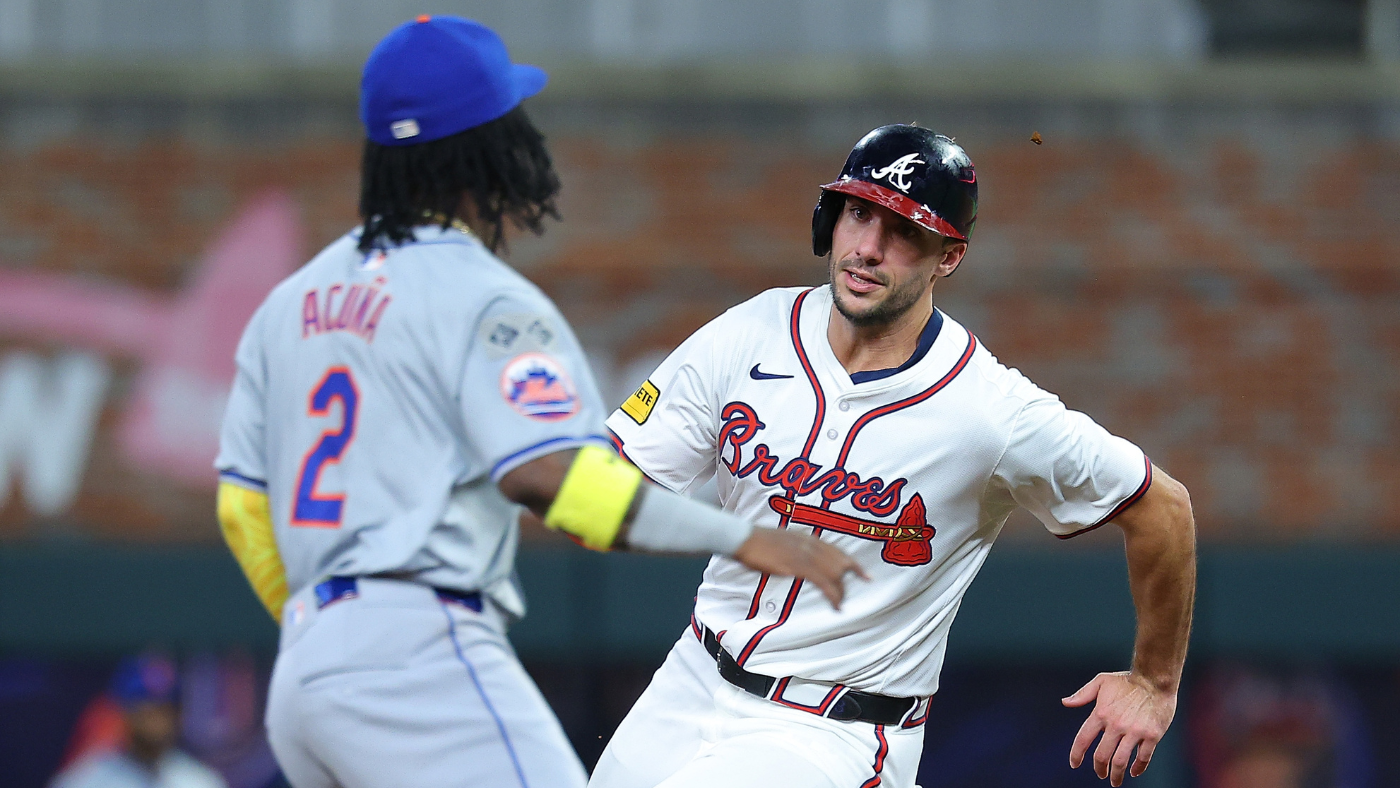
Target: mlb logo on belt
{"x": 537, "y": 386}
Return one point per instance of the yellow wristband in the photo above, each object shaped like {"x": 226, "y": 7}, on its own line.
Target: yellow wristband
{"x": 594, "y": 498}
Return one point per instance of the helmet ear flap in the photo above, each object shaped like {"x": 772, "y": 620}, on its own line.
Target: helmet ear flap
{"x": 824, "y": 218}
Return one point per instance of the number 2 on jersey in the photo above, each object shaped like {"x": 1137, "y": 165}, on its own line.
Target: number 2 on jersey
{"x": 324, "y": 511}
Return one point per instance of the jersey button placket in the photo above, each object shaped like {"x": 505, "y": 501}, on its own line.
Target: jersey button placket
{"x": 833, "y": 433}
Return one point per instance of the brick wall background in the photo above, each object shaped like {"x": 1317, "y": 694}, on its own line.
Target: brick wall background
{"x": 1219, "y": 286}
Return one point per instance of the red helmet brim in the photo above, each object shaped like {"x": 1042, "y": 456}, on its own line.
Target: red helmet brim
{"x": 889, "y": 198}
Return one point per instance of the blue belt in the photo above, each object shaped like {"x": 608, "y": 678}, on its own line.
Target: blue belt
{"x": 335, "y": 589}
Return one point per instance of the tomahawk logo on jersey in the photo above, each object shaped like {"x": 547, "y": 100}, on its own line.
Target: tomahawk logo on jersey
{"x": 914, "y": 473}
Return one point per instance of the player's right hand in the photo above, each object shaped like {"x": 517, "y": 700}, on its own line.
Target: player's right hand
{"x": 792, "y": 554}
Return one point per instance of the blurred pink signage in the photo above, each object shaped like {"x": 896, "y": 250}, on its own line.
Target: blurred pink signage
{"x": 169, "y": 420}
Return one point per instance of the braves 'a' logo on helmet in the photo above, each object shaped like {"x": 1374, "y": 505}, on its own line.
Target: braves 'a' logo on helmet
{"x": 898, "y": 170}
{"x": 919, "y": 174}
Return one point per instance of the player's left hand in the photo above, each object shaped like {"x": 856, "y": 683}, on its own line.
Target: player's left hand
{"x": 1130, "y": 713}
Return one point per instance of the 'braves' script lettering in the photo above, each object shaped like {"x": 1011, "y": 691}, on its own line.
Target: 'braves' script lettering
{"x": 799, "y": 476}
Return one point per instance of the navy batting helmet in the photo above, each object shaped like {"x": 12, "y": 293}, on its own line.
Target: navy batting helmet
{"x": 924, "y": 177}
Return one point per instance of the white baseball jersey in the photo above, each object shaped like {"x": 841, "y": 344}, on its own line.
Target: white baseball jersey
{"x": 913, "y": 473}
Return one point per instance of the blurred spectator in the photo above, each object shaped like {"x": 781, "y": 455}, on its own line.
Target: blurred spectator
{"x": 146, "y": 690}
{"x": 1255, "y": 728}
{"x": 221, "y": 701}
{"x": 101, "y": 727}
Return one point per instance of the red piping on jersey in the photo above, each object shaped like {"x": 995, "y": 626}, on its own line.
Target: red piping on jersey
{"x": 811, "y": 376}
{"x": 884, "y": 410}
{"x": 617, "y": 446}
{"x": 819, "y": 709}
{"x": 880, "y": 754}
{"x": 921, "y": 719}
{"x": 811, "y": 436}
{"x": 1117, "y": 510}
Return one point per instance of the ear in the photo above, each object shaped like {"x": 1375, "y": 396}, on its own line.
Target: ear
{"x": 952, "y": 255}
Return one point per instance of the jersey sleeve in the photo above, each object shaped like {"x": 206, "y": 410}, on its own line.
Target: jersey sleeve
{"x": 526, "y": 389}
{"x": 669, "y": 426}
{"x": 1068, "y": 471}
{"x": 242, "y": 456}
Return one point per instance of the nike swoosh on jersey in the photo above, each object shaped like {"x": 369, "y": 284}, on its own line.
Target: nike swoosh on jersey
{"x": 756, "y": 375}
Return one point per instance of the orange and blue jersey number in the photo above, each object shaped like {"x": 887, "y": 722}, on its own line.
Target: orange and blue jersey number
{"x": 310, "y": 508}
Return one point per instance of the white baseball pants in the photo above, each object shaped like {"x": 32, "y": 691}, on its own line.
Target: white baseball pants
{"x": 692, "y": 729}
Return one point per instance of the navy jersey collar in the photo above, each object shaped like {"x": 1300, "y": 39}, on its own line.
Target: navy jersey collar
{"x": 926, "y": 338}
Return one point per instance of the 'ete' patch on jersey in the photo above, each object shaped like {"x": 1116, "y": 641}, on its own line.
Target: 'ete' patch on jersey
{"x": 505, "y": 335}
{"x": 537, "y": 386}
{"x": 639, "y": 405}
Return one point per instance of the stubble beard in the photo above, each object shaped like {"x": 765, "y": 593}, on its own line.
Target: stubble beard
{"x": 896, "y": 303}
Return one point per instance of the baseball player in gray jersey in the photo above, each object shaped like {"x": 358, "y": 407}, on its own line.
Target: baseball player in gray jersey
{"x": 398, "y": 401}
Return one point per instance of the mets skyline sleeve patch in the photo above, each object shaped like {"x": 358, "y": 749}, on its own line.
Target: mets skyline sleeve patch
{"x": 526, "y": 389}
{"x": 538, "y": 387}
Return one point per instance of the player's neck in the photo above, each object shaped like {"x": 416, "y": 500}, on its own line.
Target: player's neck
{"x": 865, "y": 348}
{"x": 470, "y": 217}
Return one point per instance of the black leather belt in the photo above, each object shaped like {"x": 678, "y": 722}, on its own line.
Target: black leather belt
{"x": 854, "y": 705}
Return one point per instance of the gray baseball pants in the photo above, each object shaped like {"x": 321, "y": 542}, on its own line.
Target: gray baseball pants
{"x": 395, "y": 687}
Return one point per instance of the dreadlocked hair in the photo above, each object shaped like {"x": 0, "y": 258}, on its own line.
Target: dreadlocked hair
{"x": 501, "y": 166}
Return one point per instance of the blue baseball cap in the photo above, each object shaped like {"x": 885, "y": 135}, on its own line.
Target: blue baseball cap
{"x": 438, "y": 75}
{"x": 149, "y": 678}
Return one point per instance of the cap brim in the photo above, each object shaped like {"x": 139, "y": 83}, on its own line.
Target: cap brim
{"x": 529, "y": 80}
{"x": 919, "y": 214}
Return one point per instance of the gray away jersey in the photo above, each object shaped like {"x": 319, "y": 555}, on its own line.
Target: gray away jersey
{"x": 379, "y": 398}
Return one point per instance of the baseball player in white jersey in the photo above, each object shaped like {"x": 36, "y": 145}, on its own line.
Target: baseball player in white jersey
{"x": 399, "y": 401}
{"x": 860, "y": 413}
